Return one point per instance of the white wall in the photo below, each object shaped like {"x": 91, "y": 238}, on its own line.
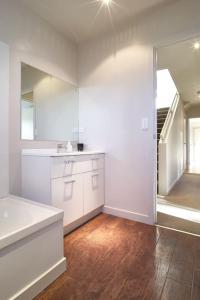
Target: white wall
{"x": 175, "y": 147}
{"x": 116, "y": 92}
{"x": 34, "y": 42}
{"x": 171, "y": 154}
{"x": 4, "y": 119}
{"x": 193, "y": 111}
{"x": 113, "y": 99}
{"x": 194, "y": 143}
{"x": 166, "y": 89}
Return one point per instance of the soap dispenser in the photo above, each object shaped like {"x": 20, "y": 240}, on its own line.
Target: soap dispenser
{"x": 69, "y": 146}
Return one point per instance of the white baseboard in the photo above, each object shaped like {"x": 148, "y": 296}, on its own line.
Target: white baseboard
{"x": 123, "y": 213}
{"x": 174, "y": 182}
{"x": 41, "y": 282}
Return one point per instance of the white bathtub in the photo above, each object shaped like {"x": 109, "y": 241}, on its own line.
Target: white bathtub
{"x": 31, "y": 247}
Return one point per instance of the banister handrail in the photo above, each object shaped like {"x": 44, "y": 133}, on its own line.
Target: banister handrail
{"x": 169, "y": 119}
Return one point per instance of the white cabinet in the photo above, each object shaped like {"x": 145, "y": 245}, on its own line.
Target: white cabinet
{"x": 66, "y": 166}
{"x": 67, "y": 194}
{"x": 72, "y": 183}
{"x": 93, "y": 192}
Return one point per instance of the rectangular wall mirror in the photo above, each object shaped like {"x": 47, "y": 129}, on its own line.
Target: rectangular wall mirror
{"x": 49, "y": 107}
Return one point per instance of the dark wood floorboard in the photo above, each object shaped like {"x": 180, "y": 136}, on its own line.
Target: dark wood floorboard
{"x": 175, "y": 290}
{"x": 113, "y": 258}
{"x": 196, "y": 293}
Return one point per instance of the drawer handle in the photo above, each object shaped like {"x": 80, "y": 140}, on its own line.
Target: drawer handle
{"x": 70, "y": 189}
{"x": 68, "y": 162}
{"x": 95, "y": 183}
{"x": 97, "y": 163}
{"x": 71, "y": 181}
{"x": 96, "y": 174}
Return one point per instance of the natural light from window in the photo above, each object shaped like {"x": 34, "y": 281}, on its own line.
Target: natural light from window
{"x": 180, "y": 212}
{"x": 166, "y": 89}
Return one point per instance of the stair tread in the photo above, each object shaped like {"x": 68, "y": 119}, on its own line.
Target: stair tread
{"x": 163, "y": 108}
{"x": 162, "y": 113}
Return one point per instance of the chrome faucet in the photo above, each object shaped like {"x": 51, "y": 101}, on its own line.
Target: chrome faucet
{"x": 61, "y": 148}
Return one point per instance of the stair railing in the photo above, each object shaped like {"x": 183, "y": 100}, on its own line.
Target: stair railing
{"x": 169, "y": 119}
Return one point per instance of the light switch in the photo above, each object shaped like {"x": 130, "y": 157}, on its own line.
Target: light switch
{"x": 81, "y": 129}
{"x": 145, "y": 124}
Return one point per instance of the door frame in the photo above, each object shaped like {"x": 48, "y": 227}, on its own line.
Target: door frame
{"x": 178, "y": 38}
{"x": 189, "y": 137}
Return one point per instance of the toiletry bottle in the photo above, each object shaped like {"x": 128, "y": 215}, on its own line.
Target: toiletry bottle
{"x": 69, "y": 147}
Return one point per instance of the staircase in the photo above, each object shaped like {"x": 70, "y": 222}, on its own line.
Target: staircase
{"x": 161, "y": 117}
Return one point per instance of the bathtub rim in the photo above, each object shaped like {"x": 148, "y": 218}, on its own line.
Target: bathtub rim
{"x": 29, "y": 229}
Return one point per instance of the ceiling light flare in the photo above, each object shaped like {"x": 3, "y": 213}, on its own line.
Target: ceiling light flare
{"x": 107, "y": 2}
{"x": 196, "y": 45}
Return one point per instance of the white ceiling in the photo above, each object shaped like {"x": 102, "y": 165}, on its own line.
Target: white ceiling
{"x": 81, "y": 20}
{"x": 183, "y": 62}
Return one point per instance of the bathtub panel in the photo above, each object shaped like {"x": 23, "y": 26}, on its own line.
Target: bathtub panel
{"x": 31, "y": 248}
{"x": 25, "y": 261}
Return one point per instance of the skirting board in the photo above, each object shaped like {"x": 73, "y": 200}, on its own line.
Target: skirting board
{"x": 174, "y": 182}
{"x": 41, "y": 282}
{"x": 82, "y": 220}
{"x": 128, "y": 215}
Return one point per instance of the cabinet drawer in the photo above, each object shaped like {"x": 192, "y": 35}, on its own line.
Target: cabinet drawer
{"x": 70, "y": 165}
{"x": 93, "y": 191}
{"x": 67, "y": 194}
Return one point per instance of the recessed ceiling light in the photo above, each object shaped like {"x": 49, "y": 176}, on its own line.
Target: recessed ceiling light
{"x": 196, "y": 45}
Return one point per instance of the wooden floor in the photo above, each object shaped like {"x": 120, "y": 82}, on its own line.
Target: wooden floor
{"x": 186, "y": 191}
{"x": 113, "y": 258}
{"x": 186, "y": 195}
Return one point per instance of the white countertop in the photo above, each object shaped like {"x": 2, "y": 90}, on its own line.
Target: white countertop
{"x": 53, "y": 152}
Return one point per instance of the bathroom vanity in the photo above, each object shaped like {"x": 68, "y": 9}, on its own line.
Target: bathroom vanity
{"x": 73, "y": 182}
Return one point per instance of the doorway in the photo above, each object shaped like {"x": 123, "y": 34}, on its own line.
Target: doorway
{"x": 194, "y": 146}
{"x": 178, "y": 136}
